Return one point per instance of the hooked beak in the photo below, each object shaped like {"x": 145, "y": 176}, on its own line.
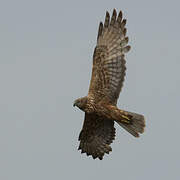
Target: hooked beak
{"x": 74, "y": 104}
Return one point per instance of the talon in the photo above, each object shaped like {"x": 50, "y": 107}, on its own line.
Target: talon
{"x": 125, "y": 121}
{"x": 125, "y": 117}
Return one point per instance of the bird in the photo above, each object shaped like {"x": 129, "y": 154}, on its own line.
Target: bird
{"x": 100, "y": 104}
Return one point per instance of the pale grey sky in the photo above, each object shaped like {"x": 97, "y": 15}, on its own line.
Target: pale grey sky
{"x": 45, "y": 63}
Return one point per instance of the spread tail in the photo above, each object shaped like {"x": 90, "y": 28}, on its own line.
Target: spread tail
{"x": 136, "y": 125}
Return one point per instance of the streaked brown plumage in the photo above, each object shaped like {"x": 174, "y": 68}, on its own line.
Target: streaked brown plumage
{"x": 99, "y": 105}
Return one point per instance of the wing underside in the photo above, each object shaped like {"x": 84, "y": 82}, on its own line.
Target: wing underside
{"x": 108, "y": 60}
{"x": 96, "y": 136}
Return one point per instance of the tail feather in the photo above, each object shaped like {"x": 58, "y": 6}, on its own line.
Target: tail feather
{"x": 136, "y": 126}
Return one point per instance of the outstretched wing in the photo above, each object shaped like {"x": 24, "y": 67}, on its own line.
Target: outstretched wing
{"x": 108, "y": 59}
{"x": 96, "y": 136}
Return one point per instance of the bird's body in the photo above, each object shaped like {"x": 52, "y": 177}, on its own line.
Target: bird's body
{"x": 100, "y": 105}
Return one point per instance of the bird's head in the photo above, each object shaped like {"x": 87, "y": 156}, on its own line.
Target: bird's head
{"x": 80, "y": 103}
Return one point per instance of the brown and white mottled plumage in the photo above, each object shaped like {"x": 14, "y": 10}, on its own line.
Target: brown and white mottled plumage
{"x": 99, "y": 105}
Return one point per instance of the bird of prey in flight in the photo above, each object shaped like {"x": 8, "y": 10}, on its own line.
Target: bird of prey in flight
{"x": 100, "y": 105}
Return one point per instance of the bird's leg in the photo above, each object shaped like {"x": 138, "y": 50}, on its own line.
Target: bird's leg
{"x": 120, "y": 115}
{"x": 112, "y": 112}
{"x": 125, "y": 117}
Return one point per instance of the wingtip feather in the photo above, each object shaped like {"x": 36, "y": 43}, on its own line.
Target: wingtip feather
{"x": 106, "y": 22}
{"x": 100, "y": 29}
{"x": 113, "y": 18}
